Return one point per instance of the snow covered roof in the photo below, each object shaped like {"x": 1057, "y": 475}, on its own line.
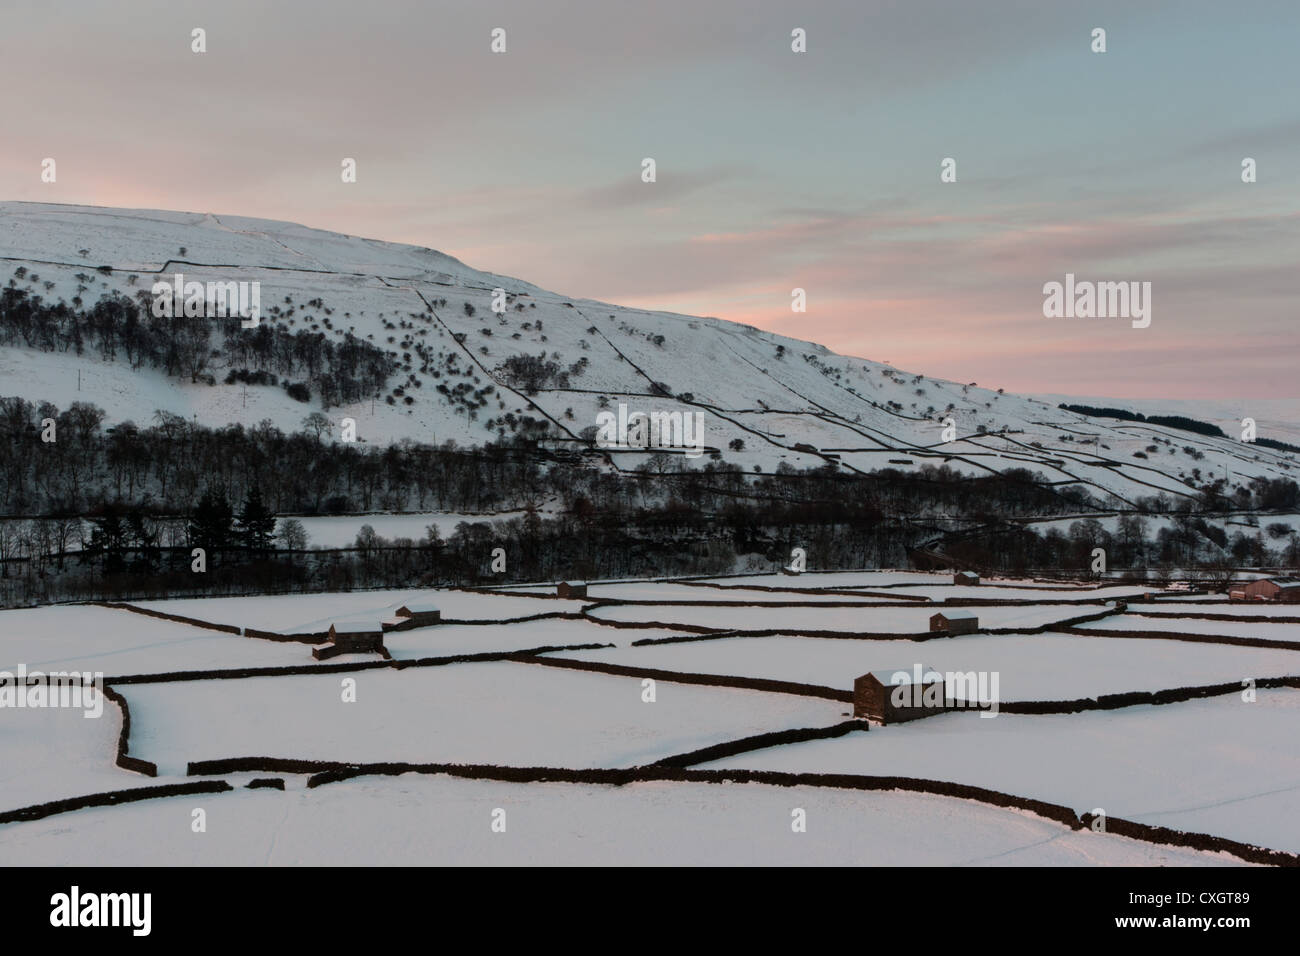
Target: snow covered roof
{"x": 956, "y": 615}
{"x": 356, "y": 627}
{"x": 424, "y": 608}
{"x": 574, "y": 584}
{"x": 1285, "y": 582}
{"x": 900, "y": 676}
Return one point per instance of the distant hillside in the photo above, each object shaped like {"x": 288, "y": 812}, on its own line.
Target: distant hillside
{"x": 404, "y": 340}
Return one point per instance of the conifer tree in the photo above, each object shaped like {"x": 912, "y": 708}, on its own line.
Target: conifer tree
{"x": 256, "y": 528}
{"x": 210, "y": 524}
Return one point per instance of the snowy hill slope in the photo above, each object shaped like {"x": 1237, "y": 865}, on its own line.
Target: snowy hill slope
{"x": 783, "y": 399}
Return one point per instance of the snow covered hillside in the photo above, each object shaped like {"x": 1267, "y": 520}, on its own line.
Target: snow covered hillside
{"x": 469, "y": 374}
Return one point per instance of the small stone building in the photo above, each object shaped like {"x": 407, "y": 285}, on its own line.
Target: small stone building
{"x": 1281, "y": 590}
{"x": 352, "y": 637}
{"x": 571, "y": 589}
{"x": 413, "y": 615}
{"x": 954, "y": 622}
{"x": 966, "y": 577}
{"x": 890, "y": 697}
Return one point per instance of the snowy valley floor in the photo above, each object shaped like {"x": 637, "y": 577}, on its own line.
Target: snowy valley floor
{"x": 520, "y": 729}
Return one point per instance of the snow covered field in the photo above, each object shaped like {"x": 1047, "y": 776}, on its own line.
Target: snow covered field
{"x": 961, "y": 593}
{"x": 340, "y": 531}
{"x": 1261, "y": 630}
{"x": 690, "y": 593}
{"x": 813, "y": 580}
{"x": 1030, "y": 667}
{"x": 51, "y": 753}
{"x": 416, "y": 819}
{"x": 307, "y": 613}
{"x": 498, "y": 713}
{"x": 882, "y": 619}
{"x": 116, "y": 642}
{"x": 1220, "y": 765}
{"x": 450, "y": 640}
{"x": 1234, "y": 608}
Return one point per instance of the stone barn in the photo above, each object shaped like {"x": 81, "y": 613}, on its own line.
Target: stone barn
{"x": 954, "y": 622}
{"x": 966, "y": 577}
{"x": 352, "y": 637}
{"x": 890, "y": 697}
{"x": 413, "y": 615}
{"x": 571, "y": 589}
{"x": 1281, "y": 590}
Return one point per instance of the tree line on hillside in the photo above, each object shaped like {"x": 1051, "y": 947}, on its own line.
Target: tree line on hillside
{"x": 150, "y": 496}
{"x": 1184, "y": 542}
{"x": 341, "y": 371}
{"x": 132, "y": 555}
{"x": 163, "y": 468}
{"x": 1181, "y": 422}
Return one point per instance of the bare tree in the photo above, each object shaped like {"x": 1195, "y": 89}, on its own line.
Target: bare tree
{"x": 317, "y": 423}
{"x": 1219, "y": 573}
{"x": 293, "y": 534}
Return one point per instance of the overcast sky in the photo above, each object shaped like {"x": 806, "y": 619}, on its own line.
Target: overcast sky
{"x": 775, "y": 170}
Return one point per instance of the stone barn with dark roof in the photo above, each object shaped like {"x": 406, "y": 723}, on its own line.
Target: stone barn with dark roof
{"x": 352, "y": 637}
{"x": 954, "y": 622}
{"x": 891, "y": 697}
{"x": 413, "y": 615}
